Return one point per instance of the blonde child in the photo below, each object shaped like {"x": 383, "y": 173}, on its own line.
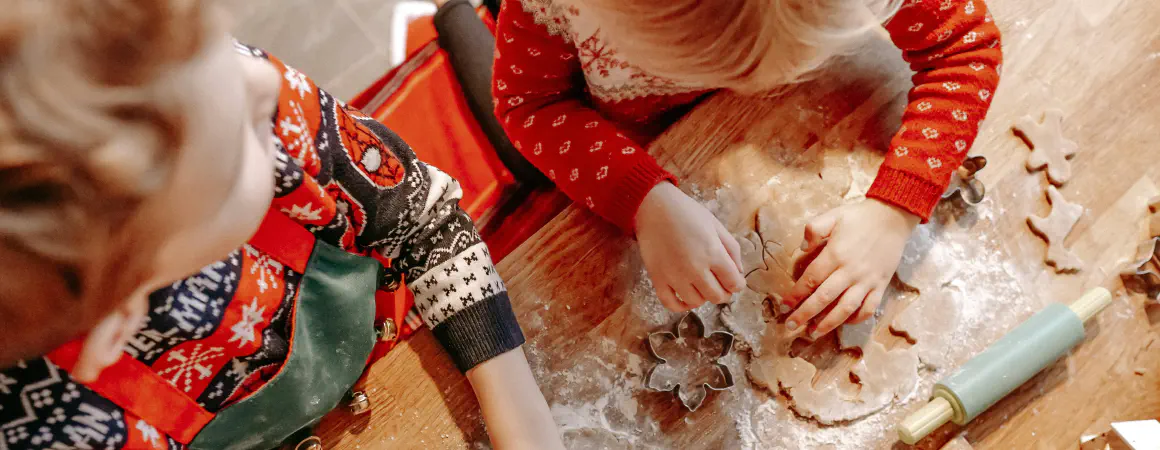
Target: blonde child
{"x": 187, "y": 228}
{"x": 583, "y": 87}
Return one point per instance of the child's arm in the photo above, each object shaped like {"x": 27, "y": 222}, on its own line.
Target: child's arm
{"x": 539, "y": 92}
{"x": 517, "y": 417}
{"x": 953, "y": 46}
{"x": 539, "y": 87}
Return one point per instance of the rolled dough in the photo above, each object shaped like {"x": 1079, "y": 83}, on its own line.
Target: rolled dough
{"x": 1049, "y": 149}
{"x": 1054, "y": 229}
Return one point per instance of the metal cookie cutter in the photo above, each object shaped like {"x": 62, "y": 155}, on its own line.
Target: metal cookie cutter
{"x": 1141, "y": 274}
{"x": 963, "y": 182}
{"x": 689, "y": 361}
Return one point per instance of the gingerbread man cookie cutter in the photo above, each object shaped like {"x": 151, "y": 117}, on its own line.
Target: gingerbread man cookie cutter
{"x": 689, "y": 361}
{"x": 1142, "y": 274}
{"x": 964, "y": 183}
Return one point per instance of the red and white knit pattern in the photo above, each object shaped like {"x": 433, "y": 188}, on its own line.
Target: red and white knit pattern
{"x": 588, "y": 136}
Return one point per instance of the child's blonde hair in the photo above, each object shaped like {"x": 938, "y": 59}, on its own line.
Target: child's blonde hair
{"x": 745, "y": 45}
{"x": 88, "y": 130}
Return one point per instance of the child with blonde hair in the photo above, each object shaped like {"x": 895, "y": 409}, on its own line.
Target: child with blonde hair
{"x": 192, "y": 235}
{"x": 583, "y": 87}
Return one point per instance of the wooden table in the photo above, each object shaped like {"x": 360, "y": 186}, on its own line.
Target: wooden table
{"x": 577, "y": 285}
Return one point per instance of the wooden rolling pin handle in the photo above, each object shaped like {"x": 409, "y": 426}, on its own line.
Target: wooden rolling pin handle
{"x": 1091, "y": 303}
{"x": 925, "y": 420}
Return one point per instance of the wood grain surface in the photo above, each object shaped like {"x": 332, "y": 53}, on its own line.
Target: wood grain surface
{"x": 573, "y": 284}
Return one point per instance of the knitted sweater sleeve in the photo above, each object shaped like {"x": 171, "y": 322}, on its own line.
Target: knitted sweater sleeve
{"x": 953, "y": 47}
{"x": 540, "y": 100}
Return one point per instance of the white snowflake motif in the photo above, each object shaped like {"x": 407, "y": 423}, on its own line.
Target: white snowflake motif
{"x": 529, "y": 121}
{"x": 269, "y": 271}
{"x": 924, "y": 106}
{"x": 970, "y": 37}
{"x": 508, "y": 38}
{"x": 930, "y": 133}
{"x": 185, "y": 370}
{"x": 149, "y": 434}
{"x": 591, "y": 125}
{"x": 916, "y": 27}
{"x": 951, "y": 86}
{"x": 984, "y": 94}
{"x": 959, "y": 115}
{"x": 534, "y": 51}
{"x": 244, "y": 328}
{"x": 961, "y": 145}
{"x": 552, "y": 174}
{"x": 933, "y": 162}
{"x": 539, "y": 148}
{"x": 603, "y": 172}
{"x": 567, "y": 145}
{"x": 559, "y": 120}
{"x": 298, "y": 82}
{"x": 500, "y": 85}
{"x": 946, "y": 4}
{"x": 238, "y": 369}
{"x": 901, "y": 151}
{"x": 942, "y": 36}
{"x": 596, "y": 146}
{"x": 627, "y": 151}
{"x": 588, "y": 201}
{"x": 41, "y": 399}
{"x": 977, "y": 66}
{"x": 970, "y": 8}
{"x": 516, "y": 70}
{"x": 515, "y": 101}
{"x": 294, "y": 126}
{"x": 575, "y": 175}
{"x": 304, "y": 213}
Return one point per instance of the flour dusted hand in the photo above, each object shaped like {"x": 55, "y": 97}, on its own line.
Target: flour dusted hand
{"x": 689, "y": 255}
{"x": 861, "y": 245}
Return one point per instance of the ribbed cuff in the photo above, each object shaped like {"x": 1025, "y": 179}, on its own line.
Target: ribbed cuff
{"x": 480, "y": 332}
{"x": 906, "y": 191}
{"x": 630, "y": 192}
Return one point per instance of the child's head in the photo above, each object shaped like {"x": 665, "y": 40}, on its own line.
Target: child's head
{"x": 745, "y": 45}
{"x": 135, "y": 148}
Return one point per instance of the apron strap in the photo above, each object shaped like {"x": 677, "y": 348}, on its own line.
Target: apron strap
{"x": 135, "y": 387}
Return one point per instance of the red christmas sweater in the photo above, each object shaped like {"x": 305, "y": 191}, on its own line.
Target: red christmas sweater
{"x": 582, "y": 114}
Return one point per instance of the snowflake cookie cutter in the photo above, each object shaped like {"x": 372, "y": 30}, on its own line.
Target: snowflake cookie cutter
{"x": 1142, "y": 274}
{"x": 964, "y": 183}
{"x": 690, "y": 361}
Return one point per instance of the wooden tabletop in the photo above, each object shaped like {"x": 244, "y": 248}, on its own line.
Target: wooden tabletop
{"x": 583, "y": 300}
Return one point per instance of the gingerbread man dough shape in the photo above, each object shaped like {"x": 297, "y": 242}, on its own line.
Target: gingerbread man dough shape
{"x": 1048, "y": 146}
{"x": 1054, "y": 229}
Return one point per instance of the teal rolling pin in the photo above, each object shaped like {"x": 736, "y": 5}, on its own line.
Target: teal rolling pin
{"x": 1005, "y": 365}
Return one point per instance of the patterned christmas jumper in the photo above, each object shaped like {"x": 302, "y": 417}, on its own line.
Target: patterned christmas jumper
{"x": 221, "y": 334}
{"x": 582, "y": 114}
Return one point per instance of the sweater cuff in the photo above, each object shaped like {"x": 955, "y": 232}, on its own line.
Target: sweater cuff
{"x": 630, "y": 192}
{"x": 480, "y": 332}
{"x": 907, "y": 191}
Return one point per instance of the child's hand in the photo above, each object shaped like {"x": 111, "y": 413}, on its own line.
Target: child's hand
{"x": 863, "y": 244}
{"x": 689, "y": 255}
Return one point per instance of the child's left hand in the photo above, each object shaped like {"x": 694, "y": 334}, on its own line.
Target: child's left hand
{"x": 863, "y": 244}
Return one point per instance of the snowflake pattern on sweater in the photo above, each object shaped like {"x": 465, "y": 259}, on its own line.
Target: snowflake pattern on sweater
{"x": 544, "y": 47}
{"x": 222, "y": 333}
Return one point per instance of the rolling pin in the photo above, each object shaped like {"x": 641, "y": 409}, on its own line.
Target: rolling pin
{"x": 1005, "y": 365}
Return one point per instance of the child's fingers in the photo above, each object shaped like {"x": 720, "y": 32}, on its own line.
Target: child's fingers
{"x": 830, "y": 290}
{"x": 819, "y": 229}
{"x": 728, "y": 277}
{"x": 869, "y": 307}
{"x": 711, "y": 289}
{"x": 669, "y": 299}
{"x": 731, "y": 246}
{"x": 817, "y": 272}
{"x": 689, "y": 296}
{"x": 847, "y": 305}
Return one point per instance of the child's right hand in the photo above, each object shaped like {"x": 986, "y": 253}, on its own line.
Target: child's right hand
{"x": 689, "y": 255}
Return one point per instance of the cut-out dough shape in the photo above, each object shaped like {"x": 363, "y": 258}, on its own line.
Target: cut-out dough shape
{"x": 1048, "y": 146}
{"x": 884, "y": 375}
{"x": 690, "y": 361}
{"x": 1054, "y": 229}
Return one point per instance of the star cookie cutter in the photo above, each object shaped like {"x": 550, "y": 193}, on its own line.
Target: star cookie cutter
{"x": 690, "y": 361}
{"x": 1143, "y": 273}
{"x": 964, "y": 183}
